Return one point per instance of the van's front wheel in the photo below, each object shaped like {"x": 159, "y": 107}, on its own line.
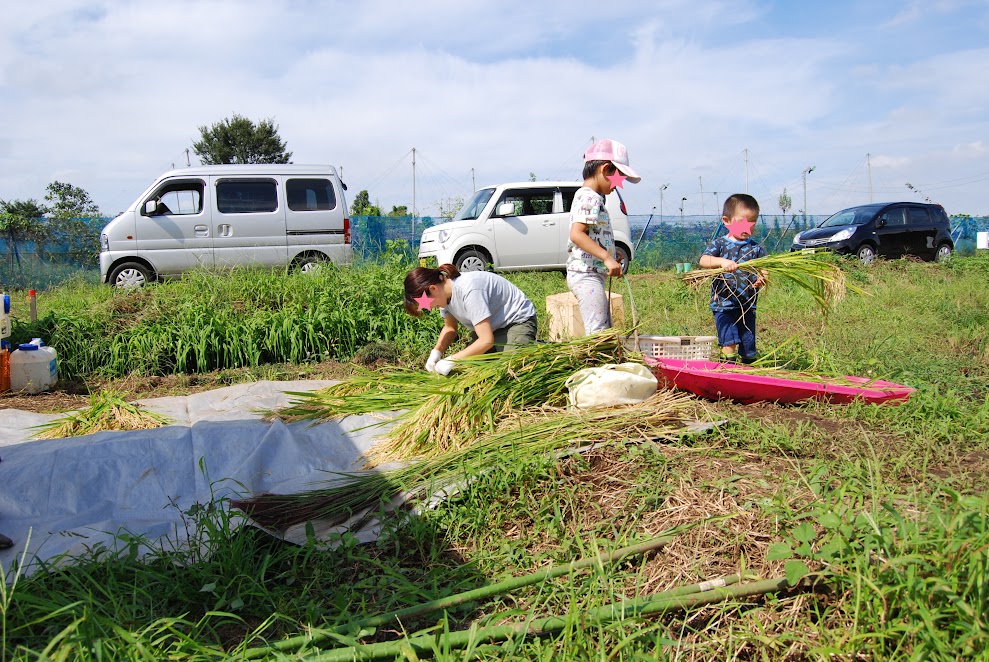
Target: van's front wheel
{"x": 130, "y": 274}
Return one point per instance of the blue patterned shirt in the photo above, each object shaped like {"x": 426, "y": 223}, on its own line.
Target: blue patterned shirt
{"x": 734, "y": 291}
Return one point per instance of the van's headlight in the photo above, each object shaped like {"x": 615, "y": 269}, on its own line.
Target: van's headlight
{"x": 104, "y": 243}
{"x": 842, "y": 235}
{"x": 444, "y": 235}
{"x": 796, "y": 237}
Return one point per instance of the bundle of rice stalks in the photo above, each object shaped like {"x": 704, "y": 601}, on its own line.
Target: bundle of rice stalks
{"x": 522, "y": 435}
{"x": 811, "y": 271}
{"x": 107, "y": 410}
{"x": 446, "y": 413}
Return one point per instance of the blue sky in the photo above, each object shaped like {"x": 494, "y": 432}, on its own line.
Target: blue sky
{"x": 107, "y": 95}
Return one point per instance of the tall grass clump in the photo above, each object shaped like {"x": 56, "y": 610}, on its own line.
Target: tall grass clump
{"x": 208, "y": 321}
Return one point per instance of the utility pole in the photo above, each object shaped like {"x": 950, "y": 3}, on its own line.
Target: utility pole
{"x": 701, "y": 181}
{"x": 413, "y": 196}
{"x": 661, "y": 189}
{"x": 805, "y": 172}
{"x": 717, "y": 204}
{"x": 187, "y": 161}
{"x": 682, "y": 200}
{"x": 746, "y": 169}
{"x": 868, "y": 164}
{"x": 472, "y": 182}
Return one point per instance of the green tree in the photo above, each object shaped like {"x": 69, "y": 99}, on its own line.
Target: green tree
{"x": 399, "y": 211}
{"x": 70, "y": 212}
{"x": 450, "y": 206}
{"x": 67, "y": 201}
{"x": 239, "y": 140}
{"x": 361, "y": 206}
{"x": 22, "y": 220}
{"x": 784, "y": 201}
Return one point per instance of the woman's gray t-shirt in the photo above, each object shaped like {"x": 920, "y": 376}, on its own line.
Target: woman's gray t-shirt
{"x": 480, "y": 295}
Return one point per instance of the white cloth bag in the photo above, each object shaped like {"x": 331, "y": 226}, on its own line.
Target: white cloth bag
{"x": 610, "y": 385}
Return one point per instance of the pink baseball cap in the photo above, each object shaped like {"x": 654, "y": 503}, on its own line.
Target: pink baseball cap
{"x": 614, "y": 151}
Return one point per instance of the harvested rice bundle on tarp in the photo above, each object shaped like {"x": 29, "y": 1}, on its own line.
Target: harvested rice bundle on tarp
{"x": 523, "y": 435}
{"x": 814, "y": 272}
{"x": 107, "y": 410}
{"x": 446, "y": 413}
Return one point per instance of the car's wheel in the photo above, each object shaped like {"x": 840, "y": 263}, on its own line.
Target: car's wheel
{"x": 310, "y": 262}
{"x": 621, "y": 254}
{"x": 471, "y": 260}
{"x": 866, "y": 253}
{"x": 130, "y": 274}
{"x": 943, "y": 252}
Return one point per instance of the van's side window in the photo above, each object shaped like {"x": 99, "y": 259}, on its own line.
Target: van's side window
{"x": 240, "y": 196}
{"x": 310, "y": 194}
{"x": 180, "y": 199}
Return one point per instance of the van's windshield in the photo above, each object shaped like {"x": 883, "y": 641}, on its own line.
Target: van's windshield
{"x": 855, "y": 216}
{"x": 473, "y": 208}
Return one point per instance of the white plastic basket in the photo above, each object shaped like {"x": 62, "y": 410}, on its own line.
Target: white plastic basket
{"x": 690, "y": 348}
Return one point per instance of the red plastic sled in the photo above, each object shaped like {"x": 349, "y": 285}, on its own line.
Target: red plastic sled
{"x": 718, "y": 381}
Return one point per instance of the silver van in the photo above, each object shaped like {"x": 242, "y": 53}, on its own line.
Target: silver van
{"x": 225, "y": 216}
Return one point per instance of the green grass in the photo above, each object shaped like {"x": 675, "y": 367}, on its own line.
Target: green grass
{"x": 879, "y": 515}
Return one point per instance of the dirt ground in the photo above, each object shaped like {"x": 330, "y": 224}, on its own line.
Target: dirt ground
{"x": 74, "y": 394}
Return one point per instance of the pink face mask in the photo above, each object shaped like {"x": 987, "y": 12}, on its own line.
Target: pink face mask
{"x": 739, "y": 225}
{"x": 425, "y": 301}
{"x": 616, "y": 179}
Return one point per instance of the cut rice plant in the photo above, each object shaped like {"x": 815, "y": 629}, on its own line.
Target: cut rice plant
{"x": 107, "y": 410}
{"x": 521, "y": 435}
{"x": 811, "y": 271}
{"x": 440, "y": 414}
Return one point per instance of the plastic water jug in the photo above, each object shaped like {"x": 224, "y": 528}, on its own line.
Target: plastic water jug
{"x": 33, "y": 367}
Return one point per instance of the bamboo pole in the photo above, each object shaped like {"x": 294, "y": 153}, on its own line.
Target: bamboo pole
{"x": 655, "y": 604}
{"x": 501, "y": 588}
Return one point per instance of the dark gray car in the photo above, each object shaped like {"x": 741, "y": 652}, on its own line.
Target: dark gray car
{"x": 889, "y": 229}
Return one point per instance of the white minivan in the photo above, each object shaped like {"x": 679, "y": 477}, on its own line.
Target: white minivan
{"x": 223, "y": 216}
{"x": 517, "y": 226}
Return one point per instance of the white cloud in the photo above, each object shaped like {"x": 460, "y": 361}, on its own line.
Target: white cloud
{"x": 108, "y": 95}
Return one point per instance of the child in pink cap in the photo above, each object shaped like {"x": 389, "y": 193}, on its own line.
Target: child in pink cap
{"x": 591, "y": 250}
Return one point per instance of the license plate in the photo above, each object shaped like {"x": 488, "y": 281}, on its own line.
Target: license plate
{"x": 422, "y": 262}
{"x": 810, "y": 250}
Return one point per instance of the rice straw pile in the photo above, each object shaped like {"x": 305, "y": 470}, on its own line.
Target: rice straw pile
{"x": 442, "y": 414}
{"x": 809, "y": 270}
{"x": 524, "y": 434}
{"x": 107, "y": 410}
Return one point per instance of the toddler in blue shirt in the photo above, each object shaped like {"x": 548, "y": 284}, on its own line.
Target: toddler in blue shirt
{"x": 734, "y": 294}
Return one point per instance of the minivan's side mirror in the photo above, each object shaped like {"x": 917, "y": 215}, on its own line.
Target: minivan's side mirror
{"x": 150, "y": 207}
{"x": 506, "y": 209}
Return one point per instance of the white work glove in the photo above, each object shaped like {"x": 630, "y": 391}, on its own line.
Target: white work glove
{"x": 444, "y": 366}
{"x": 434, "y": 356}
